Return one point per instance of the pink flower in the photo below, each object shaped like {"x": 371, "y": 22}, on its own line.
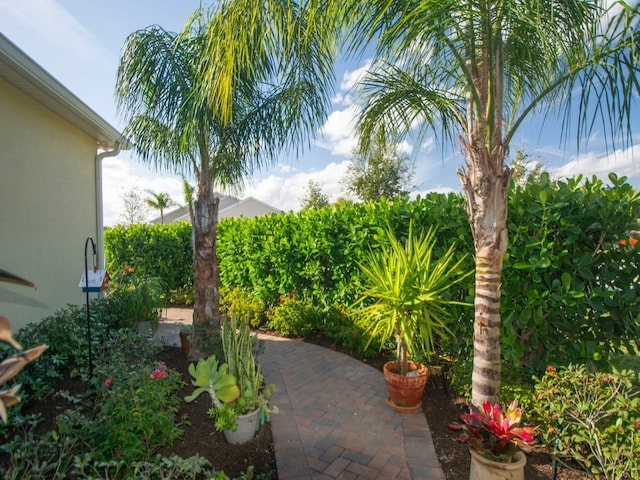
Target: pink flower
{"x": 160, "y": 372}
{"x": 107, "y": 381}
{"x": 638, "y": 424}
{"x": 551, "y": 368}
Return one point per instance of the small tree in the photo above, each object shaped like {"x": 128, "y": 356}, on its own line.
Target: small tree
{"x": 525, "y": 171}
{"x": 159, "y": 201}
{"x": 379, "y": 171}
{"x": 135, "y": 210}
{"x": 314, "y": 197}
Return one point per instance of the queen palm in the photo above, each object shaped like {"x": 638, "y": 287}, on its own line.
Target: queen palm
{"x": 159, "y": 201}
{"x": 178, "y": 122}
{"x": 474, "y": 70}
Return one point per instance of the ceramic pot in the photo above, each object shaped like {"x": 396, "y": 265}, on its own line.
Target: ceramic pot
{"x": 405, "y": 392}
{"x": 247, "y": 427}
{"x": 484, "y": 469}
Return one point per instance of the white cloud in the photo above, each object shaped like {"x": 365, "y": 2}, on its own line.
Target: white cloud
{"x": 286, "y": 193}
{"x": 47, "y": 23}
{"x": 352, "y": 77}
{"x": 118, "y": 178}
{"x": 339, "y": 132}
{"x": 621, "y": 162}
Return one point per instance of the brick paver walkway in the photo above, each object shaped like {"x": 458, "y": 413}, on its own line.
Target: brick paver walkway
{"x": 333, "y": 421}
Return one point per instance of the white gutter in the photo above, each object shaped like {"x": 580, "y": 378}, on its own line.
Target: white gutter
{"x": 99, "y": 206}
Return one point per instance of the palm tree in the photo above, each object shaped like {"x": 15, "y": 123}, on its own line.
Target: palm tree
{"x": 474, "y": 70}
{"x": 217, "y": 101}
{"x": 159, "y": 201}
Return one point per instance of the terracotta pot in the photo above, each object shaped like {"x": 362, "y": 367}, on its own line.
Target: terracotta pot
{"x": 185, "y": 341}
{"x": 484, "y": 469}
{"x": 405, "y": 392}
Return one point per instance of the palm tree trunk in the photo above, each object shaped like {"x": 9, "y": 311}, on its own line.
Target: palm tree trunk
{"x": 485, "y": 181}
{"x": 206, "y": 297}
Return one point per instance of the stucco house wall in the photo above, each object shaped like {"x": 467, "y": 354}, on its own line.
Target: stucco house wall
{"x": 50, "y": 199}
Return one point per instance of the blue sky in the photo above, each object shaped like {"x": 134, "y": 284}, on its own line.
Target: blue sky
{"x": 79, "y": 43}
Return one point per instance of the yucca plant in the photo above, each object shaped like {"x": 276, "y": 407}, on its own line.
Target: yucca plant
{"x": 403, "y": 292}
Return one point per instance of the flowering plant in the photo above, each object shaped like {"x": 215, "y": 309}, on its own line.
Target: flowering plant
{"x": 495, "y": 432}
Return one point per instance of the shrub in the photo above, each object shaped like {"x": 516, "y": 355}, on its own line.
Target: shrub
{"x": 136, "y": 410}
{"x": 136, "y": 298}
{"x": 238, "y": 303}
{"x": 294, "y": 317}
{"x": 337, "y": 325}
{"x": 591, "y": 418}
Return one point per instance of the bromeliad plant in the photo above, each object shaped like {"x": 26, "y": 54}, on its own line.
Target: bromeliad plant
{"x": 493, "y": 432}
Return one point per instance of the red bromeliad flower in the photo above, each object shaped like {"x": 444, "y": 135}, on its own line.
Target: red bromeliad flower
{"x": 495, "y": 432}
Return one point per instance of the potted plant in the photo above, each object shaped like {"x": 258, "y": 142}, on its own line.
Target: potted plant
{"x": 496, "y": 441}
{"x": 404, "y": 298}
{"x": 241, "y": 419}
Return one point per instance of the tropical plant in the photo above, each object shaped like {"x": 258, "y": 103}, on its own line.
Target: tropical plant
{"x": 404, "y": 292}
{"x": 214, "y": 378}
{"x": 495, "y": 432}
{"x": 9, "y": 367}
{"x": 159, "y": 201}
{"x": 219, "y": 100}
{"x": 474, "y": 71}
{"x": 240, "y": 346}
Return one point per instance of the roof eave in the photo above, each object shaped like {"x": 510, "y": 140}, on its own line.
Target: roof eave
{"x": 21, "y": 71}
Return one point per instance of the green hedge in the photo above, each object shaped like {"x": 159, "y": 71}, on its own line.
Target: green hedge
{"x": 162, "y": 251}
{"x": 568, "y": 292}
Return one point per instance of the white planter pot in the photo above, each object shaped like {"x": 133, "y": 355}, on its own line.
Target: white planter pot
{"x": 247, "y": 427}
{"x": 484, "y": 469}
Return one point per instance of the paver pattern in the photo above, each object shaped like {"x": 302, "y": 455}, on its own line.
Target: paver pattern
{"x": 333, "y": 421}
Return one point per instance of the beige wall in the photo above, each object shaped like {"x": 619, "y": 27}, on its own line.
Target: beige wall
{"x": 47, "y": 206}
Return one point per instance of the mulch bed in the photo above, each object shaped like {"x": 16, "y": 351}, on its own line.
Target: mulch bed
{"x": 440, "y": 408}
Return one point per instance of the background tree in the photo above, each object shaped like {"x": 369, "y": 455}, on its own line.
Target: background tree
{"x": 159, "y": 201}
{"x": 525, "y": 171}
{"x": 134, "y": 208}
{"x": 218, "y": 101}
{"x": 379, "y": 170}
{"x": 473, "y": 71}
{"x": 314, "y": 197}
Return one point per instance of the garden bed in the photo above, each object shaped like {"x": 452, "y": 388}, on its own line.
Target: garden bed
{"x": 440, "y": 408}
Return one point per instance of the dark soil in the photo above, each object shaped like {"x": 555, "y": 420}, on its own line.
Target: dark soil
{"x": 440, "y": 407}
